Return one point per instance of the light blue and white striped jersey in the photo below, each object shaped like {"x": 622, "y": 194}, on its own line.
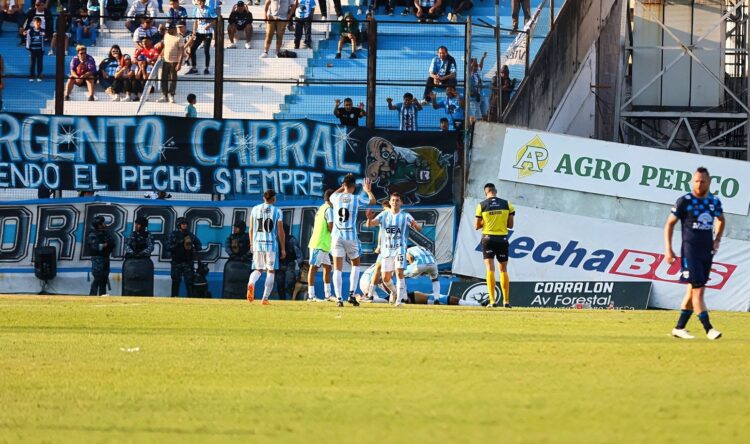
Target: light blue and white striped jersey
{"x": 395, "y": 228}
{"x": 266, "y": 218}
{"x": 421, "y": 255}
{"x": 345, "y": 209}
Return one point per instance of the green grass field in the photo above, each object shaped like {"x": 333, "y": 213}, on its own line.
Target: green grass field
{"x": 213, "y": 370}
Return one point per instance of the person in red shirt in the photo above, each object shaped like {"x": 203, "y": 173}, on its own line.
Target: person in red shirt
{"x": 145, "y": 57}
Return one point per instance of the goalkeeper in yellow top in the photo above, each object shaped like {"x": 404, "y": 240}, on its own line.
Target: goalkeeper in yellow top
{"x": 494, "y": 217}
{"x": 320, "y": 249}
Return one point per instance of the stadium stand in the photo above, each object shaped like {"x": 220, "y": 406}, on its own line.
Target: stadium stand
{"x": 303, "y": 87}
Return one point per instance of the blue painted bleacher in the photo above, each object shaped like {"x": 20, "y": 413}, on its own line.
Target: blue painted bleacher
{"x": 405, "y": 50}
{"x": 404, "y": 53}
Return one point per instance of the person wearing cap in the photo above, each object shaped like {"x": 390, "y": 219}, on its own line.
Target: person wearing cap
{"x": 140, "y": 244}
{"x": 237, "y": 244}
{"x": 240, "y": 19}
{"x": 101, "y": 243}
{"x": 182, "y": 245}
{"x": 173, "y": 50}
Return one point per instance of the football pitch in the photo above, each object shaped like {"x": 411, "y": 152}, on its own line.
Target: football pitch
{"x": 180, "y": 370}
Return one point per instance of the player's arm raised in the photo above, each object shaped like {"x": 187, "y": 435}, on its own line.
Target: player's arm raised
{"x": 668, "y": 231}
{"x": 367, "y": 186}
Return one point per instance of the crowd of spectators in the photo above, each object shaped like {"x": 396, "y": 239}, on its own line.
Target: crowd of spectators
{"x": 166, "y": 38}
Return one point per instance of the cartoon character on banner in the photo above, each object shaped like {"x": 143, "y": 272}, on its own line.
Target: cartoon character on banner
{"x": 416, "y": 173}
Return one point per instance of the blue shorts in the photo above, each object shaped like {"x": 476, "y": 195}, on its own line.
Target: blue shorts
{"x": 696, "y": 266}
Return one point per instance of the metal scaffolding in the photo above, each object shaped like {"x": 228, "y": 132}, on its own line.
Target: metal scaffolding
{"x": 683, "y": 77}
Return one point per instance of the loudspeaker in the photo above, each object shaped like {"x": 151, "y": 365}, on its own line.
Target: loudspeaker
{"x": 45, "y": 263}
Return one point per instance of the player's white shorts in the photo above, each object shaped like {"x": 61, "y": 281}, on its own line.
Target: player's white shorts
{"x": 319, "y": 258}
{"x": 345, "y": 248}
{"x": 391, "y": 263}
{"x": 265, "y": 260}
{"x": 414, "y": 270}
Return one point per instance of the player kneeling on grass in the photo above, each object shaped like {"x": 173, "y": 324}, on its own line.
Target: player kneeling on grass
{"x": 395, "y": 225}
{"x": 267, "y": 234}
{"x": 320, "y": 248}
{"x": 423, "y": 263}
{"x": 700, "y": 214}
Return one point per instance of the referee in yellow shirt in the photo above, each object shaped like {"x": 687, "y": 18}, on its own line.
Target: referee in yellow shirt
{"x": 494, "y": 217}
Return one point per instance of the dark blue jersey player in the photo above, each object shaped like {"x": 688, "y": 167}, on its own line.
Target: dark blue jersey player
{"x": 702, "y": 220}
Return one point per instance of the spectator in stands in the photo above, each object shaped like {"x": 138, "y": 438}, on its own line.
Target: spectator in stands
{"x": 459, "y": 6}
{"x": 187, "y": 39}
{"x": 146, "y": 30}
{"x": 190, "y": 110}
{"x": 324, "y": 9}
{"x": 477, "y": 98}
{"x": 428, "y": 10}
{"x": 203, "y": 30}
{"x": 84, "y": 26}
{"x": 11, "y": 11}
{"x": 276, "y": 13}
{"x": 116, "y": 9}
{"x": 108, "y": 71}
{"x": 39, "y": 10}
{"x": 444, "y": 124}
{"x": 2, "y": 80}
{"x": 407, "y": 112}
{"x": 125, "y": 79}
{"x": 442, "y": 73}
{"x": 95, "y": 9}
{"x": 82, "y": 72}
{"x": 145, "y": 57}
{"x": 453, "y": 106}
{"x": 147, "y": 8}
{"x": 517, "y": 4}
{"x": 176, "y": 13}
{"x": 240, "y": 20}
{"x": 349, "y": 32}
{"x": 35, "y": 45}
{"x": 172, "y": 53}
{"x": 349, "y": 115}
{"x": 303, "y": 14}
{"x": 506, "y": 86}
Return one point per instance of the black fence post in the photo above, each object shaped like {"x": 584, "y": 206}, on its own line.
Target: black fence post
{"x": 219, "y": 70}
{"x": 61, "y": 52}
{"x": 372, "y": 55}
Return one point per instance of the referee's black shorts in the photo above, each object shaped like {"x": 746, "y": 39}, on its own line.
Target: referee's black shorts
{"x": 494, "y": 246}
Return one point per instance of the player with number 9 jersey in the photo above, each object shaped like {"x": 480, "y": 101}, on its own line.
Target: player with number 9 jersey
{"x": 344, "y": 236}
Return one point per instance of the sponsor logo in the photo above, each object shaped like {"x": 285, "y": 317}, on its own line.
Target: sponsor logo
{"x": 478, "y": 293}
{"x": 531, "y": 158}
{"x": 627, "y": 262}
